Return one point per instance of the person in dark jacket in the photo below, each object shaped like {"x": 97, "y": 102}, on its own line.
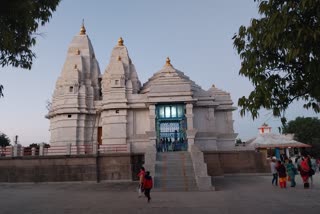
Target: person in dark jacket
{"x": 147, "y": 185}
{"x": 282, "y": 175}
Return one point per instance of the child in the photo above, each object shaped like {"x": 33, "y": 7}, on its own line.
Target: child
{"x": 147, "y": 185}
{"x": 282, "y": 175}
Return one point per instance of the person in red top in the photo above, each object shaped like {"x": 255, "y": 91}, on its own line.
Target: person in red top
{"x": 147, "y": 185}
{"x": 304, "y": 171}
{"x": 141, "y": 175}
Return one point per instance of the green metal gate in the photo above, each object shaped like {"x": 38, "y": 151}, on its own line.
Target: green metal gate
{"x": 171, "y": 127}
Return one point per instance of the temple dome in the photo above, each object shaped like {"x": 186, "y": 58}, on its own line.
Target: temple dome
{"x": 170, "y": 77}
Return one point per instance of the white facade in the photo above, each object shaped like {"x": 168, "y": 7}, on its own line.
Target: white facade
{"x": 113, "y": 108}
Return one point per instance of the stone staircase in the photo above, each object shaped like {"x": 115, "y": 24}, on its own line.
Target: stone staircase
{"x": 174, "y": 172}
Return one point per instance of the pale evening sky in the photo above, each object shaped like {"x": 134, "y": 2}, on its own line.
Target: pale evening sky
{"x": 196, "y": 35}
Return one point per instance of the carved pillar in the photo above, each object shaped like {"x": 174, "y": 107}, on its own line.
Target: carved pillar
{"x": 152, "y": 119}
{"x": 191, "y": 132}
{"x": 150, "y": 154}
{"x": 189, "y": 116}
{"x": 152, "y": 116}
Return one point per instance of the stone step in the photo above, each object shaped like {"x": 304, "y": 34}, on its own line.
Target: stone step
{"x": 173, "y": 156}
{"x": 171, "y": 172}
{"x": 175, "y": 183}
{"x": 174, "y": 162}
{"x": 174, "y": 172}
{"x": 175, "y": 165}
{"x": 176, "y": 189}
{"x": 174, "y": 178}
{"x": 168, "y": 173}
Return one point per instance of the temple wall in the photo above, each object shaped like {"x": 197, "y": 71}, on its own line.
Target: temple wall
{"x": 114, "y": 128}
{"x": 90, "y": 135}
{"x": 141, "y": 121}
{"x": 203, "y": 119}
{"x": 220, "y": 121}
{"x": 138, "y": 126}
{"x": 75, "y": 129}
{"x": 232, "y": 162}
{"x": 63, "y": 129}
{"x": 72, "y": 168}
{"x": 116, "y": 166}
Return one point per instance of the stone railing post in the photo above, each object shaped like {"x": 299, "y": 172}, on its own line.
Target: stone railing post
{"x": 41, "y": 149}
{"x": 11, "y": 151}
{"x": 33, "y": 151}
{"x": 68, "y": 149}
{"x": 95, "y": 148}
{"x": 16, "y": 150}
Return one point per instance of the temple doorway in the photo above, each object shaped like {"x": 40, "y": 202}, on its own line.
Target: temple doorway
{"x": 171, "y": 128}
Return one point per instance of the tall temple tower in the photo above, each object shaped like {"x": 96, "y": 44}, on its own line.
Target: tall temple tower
{"x": 72, "y": 113}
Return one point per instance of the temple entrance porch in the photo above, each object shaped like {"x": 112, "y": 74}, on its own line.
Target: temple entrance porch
{"x": 171, "y": 128}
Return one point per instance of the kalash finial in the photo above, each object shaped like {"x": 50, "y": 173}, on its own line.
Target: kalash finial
{"x": 168, "y": 62}
{"x": 82, "y": 29}
{"x": 120, "y": 41}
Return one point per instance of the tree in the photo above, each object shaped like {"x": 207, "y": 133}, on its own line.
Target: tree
{"x": 4, "y": 140}
{"x": 305, "y": 130}
{"x": 19, "y": 22}
{"x": 280, "y": 56}
{"x": 1, "y": 90}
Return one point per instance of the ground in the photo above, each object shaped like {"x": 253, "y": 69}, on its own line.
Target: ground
{"x": 234, "y": 194}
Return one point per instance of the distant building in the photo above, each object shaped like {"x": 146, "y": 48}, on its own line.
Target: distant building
{"x": 275, "y": 144}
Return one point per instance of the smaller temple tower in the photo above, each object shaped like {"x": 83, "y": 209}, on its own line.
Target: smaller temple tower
{"x": 119, "y": 81}
{"x": 72, "y": 112}
{"x": 264, "y": 129}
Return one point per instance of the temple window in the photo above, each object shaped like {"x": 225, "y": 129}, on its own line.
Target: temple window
{"x": 173, "y": 111}
{"x": 71, "y": 89}
{"x": 167, "y": 112}
{"x": 161, "y": 112}
{"x": 170, "y": 111}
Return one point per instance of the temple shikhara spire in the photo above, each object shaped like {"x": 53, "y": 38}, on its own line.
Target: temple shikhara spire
{"x": 82, "y": 29}
{"x": 120, "y": 41}
{"x": 168, "y": 62}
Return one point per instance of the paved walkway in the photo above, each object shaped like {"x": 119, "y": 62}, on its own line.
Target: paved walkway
{"x": 235, "y": 194}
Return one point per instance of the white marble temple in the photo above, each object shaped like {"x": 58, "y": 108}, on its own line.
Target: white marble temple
{"x": 114, "y": 108}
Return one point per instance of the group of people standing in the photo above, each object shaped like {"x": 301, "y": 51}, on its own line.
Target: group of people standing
{"x": 145, "y": 183}
{"x": 167, "y": 145}
{"x": 286, "y": 171}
